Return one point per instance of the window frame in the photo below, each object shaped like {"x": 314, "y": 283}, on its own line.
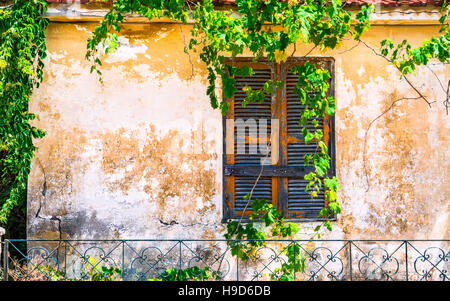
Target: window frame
{"x": 279, "y": 107}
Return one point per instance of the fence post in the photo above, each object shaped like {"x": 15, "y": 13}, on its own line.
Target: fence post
{"x": 406, "y": 259}
{"x": 2, "y": 232}
{"x": 5, "y": 270}
{"x": 123, "y": 259}
{"x": 180, "y": 262}
{"x": 295, "y": 258}
{"x": 237, "y": 261}
{"x": 351, "y": 263}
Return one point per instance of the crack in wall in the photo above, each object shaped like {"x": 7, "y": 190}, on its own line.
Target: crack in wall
{"x": 174, "y": 222}
{"x": 171, "y": 223}
{"x": 44, "y": 193}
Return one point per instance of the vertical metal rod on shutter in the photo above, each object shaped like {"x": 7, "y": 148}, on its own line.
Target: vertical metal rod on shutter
{"x": 332, "y": 120}
{"x": 283, "y": 182}
{"x": 229, "y": 191}
{"x": 225, "y": 208}
{"x": 275, "y": 138}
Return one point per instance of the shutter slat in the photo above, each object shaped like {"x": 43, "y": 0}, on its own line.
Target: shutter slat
{"x": 243, "y": 186}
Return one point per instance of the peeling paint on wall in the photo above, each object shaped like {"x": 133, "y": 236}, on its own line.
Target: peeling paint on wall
{"x": 140, "y": 157}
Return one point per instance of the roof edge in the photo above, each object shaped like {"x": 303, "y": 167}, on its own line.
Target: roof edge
{"x": 385, "y": 3}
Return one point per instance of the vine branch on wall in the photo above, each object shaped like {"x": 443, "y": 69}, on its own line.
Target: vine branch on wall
{"x": 22, "y": 50}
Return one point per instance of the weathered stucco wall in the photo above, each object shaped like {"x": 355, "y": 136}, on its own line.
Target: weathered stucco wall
{"x": 140, "y": 157}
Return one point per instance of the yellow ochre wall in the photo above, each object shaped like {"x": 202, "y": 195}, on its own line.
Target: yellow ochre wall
{"x": 140, "y": 157}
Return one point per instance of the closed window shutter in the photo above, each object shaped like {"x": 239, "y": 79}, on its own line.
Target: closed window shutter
{"x": 243, "y": 167}
{"x": 251, "y": 112}
{"x": 282, "y": 180}
{"x": 298, "y": 202}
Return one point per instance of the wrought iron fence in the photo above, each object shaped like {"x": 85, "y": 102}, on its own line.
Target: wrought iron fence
{"x": 148, "y": 259}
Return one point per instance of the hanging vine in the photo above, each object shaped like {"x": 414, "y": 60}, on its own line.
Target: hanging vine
{"x": 267, "y": 29}
{"x": 22, "y": 49}
{"x": 220, "y": 34}
{"x": 264, "y": 28}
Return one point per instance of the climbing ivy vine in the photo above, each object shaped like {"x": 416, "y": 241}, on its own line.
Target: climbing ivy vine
{"x": 220, "y": 34}
{"x": 264, "y": 28}
{"x": 22, "y": 50}
{"x": 406, "y": 58}
{"x": 225, "y": 33}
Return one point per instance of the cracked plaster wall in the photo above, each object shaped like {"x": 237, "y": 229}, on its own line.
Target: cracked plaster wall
{"x": 140, "y": 157}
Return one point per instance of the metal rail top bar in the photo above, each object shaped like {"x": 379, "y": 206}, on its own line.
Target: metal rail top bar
{"x": 224, "y": 240}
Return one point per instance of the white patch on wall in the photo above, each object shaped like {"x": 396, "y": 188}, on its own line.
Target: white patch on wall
{"x": 361, "y": 70}
{"x": 163, "y": 35}
{"x": 82, "y": 28}
{"x": 345, "y": 91}
{"x": 125, "y": 51}
{"x": 56, "y": 55}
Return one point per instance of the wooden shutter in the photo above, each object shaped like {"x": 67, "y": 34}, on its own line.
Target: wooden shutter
{"x": 298, "y": 203}
{"x": 282, "y": 182}
{"x": 242, "y": 170}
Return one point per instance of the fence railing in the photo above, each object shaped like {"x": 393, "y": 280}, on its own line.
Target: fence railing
{"x": 149, "y": 259}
